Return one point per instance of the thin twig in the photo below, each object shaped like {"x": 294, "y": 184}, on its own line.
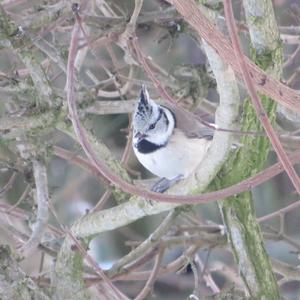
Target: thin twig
{"x": 149, "y": 284}
{"x": 9, "y": 184}
{"x": 292, "y": 57}
{"x": 124, "y": 160}
{"x": 23, "y": 197}
{"x": 90, "y": 260}
{"x": 96, "y": 268}
{"x": 210, "y": 282}
{"x": 77, "y": 160}
{"x": 149, "y": 242}
{"x": 279, "y": 212}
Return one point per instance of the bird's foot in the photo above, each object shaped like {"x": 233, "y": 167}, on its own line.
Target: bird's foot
{"x": 164, "y": 184}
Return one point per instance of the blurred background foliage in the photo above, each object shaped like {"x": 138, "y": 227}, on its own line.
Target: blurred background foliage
{"x": 73, "y": 191}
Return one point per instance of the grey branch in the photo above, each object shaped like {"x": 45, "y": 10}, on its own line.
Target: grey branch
{"x": 41, "y": 183}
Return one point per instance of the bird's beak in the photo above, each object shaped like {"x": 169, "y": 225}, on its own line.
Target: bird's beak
{"x": 139, "y": 136}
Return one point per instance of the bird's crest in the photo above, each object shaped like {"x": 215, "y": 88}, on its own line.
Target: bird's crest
{"x": 145, "y": 107}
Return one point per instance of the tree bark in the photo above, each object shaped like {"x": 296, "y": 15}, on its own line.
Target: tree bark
{"x": 238, "y": 212}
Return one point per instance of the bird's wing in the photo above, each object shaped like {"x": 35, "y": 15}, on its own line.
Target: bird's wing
{"x": 189, "y": 125}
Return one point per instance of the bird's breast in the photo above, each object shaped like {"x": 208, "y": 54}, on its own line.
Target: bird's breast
{"x": 180, "y": 156}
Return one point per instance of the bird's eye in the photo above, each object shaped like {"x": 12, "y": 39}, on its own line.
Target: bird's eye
{"x": 152, "y": 126}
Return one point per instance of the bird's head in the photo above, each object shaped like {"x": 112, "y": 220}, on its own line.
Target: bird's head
{"x": 151, "y": 121}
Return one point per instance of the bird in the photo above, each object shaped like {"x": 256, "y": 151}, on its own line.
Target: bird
{"x": 167, "y": 140}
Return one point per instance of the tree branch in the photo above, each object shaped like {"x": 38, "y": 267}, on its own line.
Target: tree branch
{"x": 41, "y": 183}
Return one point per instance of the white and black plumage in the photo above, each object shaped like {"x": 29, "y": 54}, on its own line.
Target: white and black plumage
{"x": 167, "y": 141}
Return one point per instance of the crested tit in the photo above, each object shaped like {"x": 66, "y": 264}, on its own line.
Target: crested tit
{"x": 168, "y": 141}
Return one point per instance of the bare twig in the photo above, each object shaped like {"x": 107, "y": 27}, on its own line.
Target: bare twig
{"x": 196, "y": 241}
{"x": 210, "y": 282}
{"x": 41, "y": 182}
{"x": 292, "y": 57}
{"x": 15, "y": 212}
{"x": 112, "y": 107}
{"x": 288, "y": 271}
{"x": 279, "y": 212}
{"x": 79, "y": 161}
{"x": 23, "y": 197}
{"x": 119, "y": 295}
{"x": 9, "y": 184}
{"x": 290, "y": 39}
{"x": 22, "y": 238}
{"x": 130, "y": 28}
{"x": 124, "y": 160}
{"x": 149, "y": 284}
{"x": 153, "y": 239}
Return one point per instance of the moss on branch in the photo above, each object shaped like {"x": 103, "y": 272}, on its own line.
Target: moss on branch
{"x": 238, "y": 212}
